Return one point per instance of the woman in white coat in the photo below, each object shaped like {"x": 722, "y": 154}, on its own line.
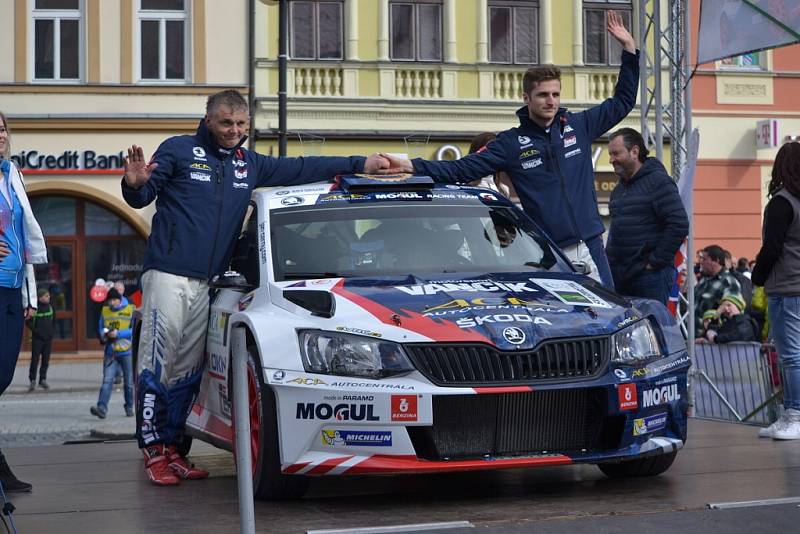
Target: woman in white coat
{"x": 21, "y": 246}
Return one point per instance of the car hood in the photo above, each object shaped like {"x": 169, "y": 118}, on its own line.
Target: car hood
{"x": 513, "y": 311}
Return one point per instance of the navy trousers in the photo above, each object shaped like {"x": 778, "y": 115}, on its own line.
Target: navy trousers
{"x": 11, "y": 323}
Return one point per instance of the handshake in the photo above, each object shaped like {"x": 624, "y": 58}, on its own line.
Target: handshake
{"x": 384, "y": 163}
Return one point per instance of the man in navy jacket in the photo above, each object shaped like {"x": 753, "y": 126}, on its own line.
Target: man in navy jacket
{"x": 201, "y": 184}
{"x": 549, "y": 156}
{"x": 648, "y": 220}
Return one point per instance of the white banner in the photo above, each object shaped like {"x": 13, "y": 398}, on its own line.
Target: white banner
{"x": 734, "y": 27}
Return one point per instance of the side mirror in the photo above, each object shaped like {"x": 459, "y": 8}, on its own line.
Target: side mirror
{"x": 231, "y": 280}
{"x": 582, "y": 267}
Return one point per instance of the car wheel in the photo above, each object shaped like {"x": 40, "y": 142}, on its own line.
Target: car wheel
{"x": 641, "y": 467}
{"x": 268, "y": 481}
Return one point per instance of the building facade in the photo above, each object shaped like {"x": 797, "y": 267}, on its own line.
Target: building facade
{"x": 82, "y": 80}
{"x": 745, "y": 108}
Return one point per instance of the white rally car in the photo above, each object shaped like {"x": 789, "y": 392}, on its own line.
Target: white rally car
{"x": 397, "y": 326}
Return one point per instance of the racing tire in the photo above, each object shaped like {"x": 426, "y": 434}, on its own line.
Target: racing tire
{"x": 641, "y": 467}
{"x": 268, "y": 481}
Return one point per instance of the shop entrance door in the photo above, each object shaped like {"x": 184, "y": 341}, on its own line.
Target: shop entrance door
{"x": 58, "y": 277}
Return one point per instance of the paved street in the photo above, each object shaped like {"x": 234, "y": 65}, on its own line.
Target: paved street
{"x": 60, "y": 414}
{"x": 94, "y": 485}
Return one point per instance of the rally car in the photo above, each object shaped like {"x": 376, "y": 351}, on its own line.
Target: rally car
{"x": 397, "y": 326}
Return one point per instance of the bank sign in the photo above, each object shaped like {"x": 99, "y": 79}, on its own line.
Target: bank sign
{"x": 69, "y": 160}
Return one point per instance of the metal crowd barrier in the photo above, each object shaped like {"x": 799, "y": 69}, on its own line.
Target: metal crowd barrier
{"x": 737, "y": 382}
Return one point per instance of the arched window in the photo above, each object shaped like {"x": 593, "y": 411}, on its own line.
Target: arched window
{"x": 86, "y": 241}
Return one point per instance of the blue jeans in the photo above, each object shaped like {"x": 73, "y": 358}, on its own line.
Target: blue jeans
{"x": 598, "y": 253}
{"x": 654, "y": 285}
{"x": 111, "y": 364}
{"x": 784, "y": 319}
{"x": 11, "y": 323}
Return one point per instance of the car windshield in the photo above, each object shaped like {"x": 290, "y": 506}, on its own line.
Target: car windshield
{"x": 405, "y": 238}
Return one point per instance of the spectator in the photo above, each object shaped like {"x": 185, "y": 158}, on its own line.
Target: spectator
{"x": 41, "y": 326}
{"x": 744, "y": 281}
{"x": 17, "y": 282}
{"x": 732, "y": 324}
{"x": 187, "y": 174}
{"x": 549, "y": 156}
{"x": 715, "y": 281}
{"x": 119, "y": 285}
{"x": 648, "y": 220}
{"x": 778, "y": 270}
{"x": 115, "y": 332}
{"x": 742, "y": 266}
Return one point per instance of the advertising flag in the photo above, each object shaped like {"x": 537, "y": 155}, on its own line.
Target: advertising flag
{"x": 731, "y": 28}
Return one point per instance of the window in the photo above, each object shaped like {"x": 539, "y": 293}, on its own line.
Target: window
{"x": 57, "y": 31}
{"x": 163, "y": 40}
{"x": 753, "y": 61}
{"x": 513, "y": 32}
{"x": 599, "y": 47}
{"x": 316, "y": 30}
{"x": 416, "y": 30}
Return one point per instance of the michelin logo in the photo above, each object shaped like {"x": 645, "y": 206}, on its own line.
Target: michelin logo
{"x": 649, "y": 424}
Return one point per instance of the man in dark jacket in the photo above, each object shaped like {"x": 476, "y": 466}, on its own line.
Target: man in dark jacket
{"x": 549, "y": 156}
{"x": 201, "y": 184}
{"x": 648, "y": 220}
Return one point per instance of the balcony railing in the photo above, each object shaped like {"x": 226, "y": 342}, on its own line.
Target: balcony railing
{"x": 415, "y": 83}
{"x": 318, "y": 81}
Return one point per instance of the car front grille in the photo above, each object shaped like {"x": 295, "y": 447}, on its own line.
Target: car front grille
{"x": 477, "y": 364}
{"x": 514, "y": 424}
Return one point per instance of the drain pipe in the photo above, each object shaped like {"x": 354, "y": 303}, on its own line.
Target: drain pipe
{"x": 251, "y": 73}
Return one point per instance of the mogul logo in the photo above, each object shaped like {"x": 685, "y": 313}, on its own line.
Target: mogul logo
{"x": 404, "y": 407}
{"x": 340, "y": 412}
{"x": 149, "y": 433}
{"x": 658, "y": 396}
{"x": 481, "y": 285}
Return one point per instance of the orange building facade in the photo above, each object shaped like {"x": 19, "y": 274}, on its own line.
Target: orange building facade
{"x": 729, "y": 99}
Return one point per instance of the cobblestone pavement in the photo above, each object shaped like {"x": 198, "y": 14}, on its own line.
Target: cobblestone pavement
{"x": 62, "y": 413}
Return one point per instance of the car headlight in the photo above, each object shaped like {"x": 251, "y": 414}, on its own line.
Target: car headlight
{"x": 347, "y": 355}
{"x": 636, "y": 343}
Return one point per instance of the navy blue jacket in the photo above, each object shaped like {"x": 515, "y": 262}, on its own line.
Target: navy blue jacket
{"x": 202, "y": 192}
{"x": 648, "y": 222}
{"x": 551, "y": 169}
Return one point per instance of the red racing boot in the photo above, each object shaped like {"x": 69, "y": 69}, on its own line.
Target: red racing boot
{"x": 156, "y": 464}
{"x": 182, "y": 467}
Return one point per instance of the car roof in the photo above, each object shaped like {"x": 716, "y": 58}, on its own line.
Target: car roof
{"x": 329, "y": 191}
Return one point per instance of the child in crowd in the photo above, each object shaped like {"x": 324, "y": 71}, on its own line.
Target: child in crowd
{"x": 730, "y": 324}
{"x": 116, "y": 332}
{"x": 41, "y": 326}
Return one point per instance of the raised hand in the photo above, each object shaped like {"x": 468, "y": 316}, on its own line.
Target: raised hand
{"x": 137, "y": 172}
{"x": 617, "y": 29}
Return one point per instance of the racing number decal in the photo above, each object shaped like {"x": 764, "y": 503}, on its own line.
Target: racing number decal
{"x": 627, "y": 397}
{"x": 404, "y": 407}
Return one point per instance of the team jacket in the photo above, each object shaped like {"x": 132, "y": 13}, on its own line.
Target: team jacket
{"x": 202, "y": 192}
{"x": 551, "y": 169}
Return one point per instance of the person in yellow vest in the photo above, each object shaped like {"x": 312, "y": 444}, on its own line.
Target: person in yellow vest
{"x": 116, "y": 333}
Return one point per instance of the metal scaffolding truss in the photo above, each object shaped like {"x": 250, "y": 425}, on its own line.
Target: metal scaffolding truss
{"x": 666, "y": 107}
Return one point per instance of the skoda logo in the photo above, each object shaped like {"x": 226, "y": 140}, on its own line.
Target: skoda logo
{"x": 622, "y": 375}
{"x": 292, "y": 201}
{"x": 514, "y": 335}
